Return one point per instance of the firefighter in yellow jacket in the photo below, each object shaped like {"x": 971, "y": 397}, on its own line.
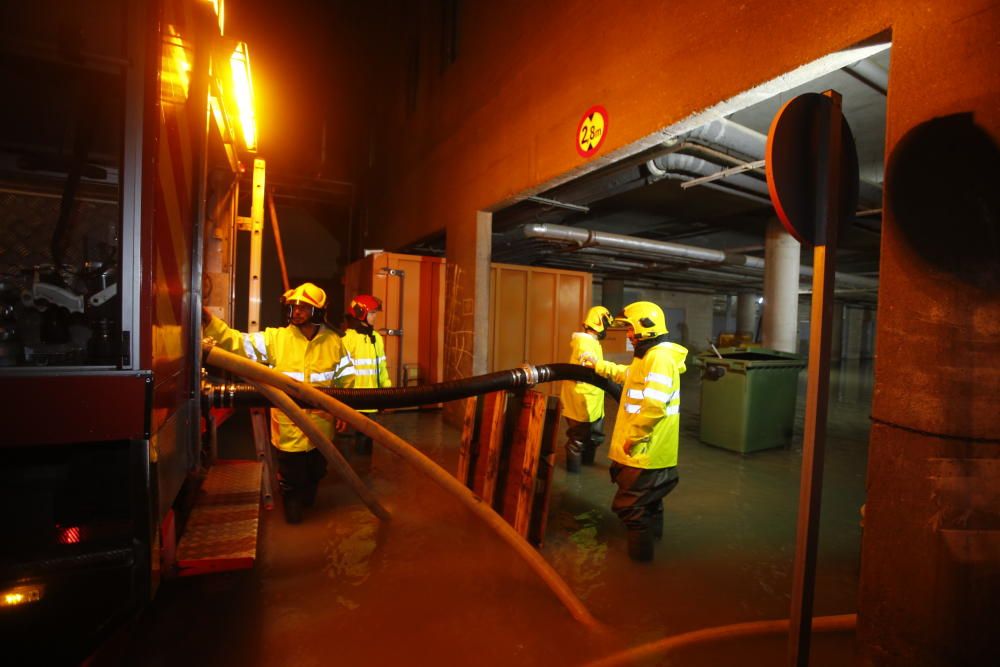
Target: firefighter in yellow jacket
{"x": 643, "y": 448}
{"x": 583, "y": 403}
{"x": 367, "y": 350}
{"x": 308, "y": 351}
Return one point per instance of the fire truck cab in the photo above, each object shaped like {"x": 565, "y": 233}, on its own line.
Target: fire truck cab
{"x": 126, "y": 129}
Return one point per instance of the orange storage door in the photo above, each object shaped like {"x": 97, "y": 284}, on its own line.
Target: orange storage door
{"x": 411, "y": 288}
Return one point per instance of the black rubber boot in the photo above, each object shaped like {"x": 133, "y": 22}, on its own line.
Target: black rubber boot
{"x": 309, "y": 495}
{"x": 572, "y": 462}
{"x": 588, "y": 456}
{"x": 656, "y": 526}
{"x": 640, "y": 545}
{"x": 363, "y": 446}
{"x": 293, "y": 508}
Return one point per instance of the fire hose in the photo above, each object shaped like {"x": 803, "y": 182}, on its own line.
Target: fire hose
{"x": 238, "y": 395}
{"x": 311, "y": 396}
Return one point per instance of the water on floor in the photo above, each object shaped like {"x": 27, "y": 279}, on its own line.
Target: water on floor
{"x": 434, "y": 586}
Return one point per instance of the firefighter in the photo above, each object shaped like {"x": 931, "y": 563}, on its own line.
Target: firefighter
{"x": 367, "y": 350}
{"x": 644, "y": 443}
{"x": 583, "y": 403}
{"x": 308, "y": 351}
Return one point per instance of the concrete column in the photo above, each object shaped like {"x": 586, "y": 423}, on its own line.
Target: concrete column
{"x": 837, "y": 332}
{"x": 729, "y": 313}
{"x": 867, "y": 345}
{"x": 781, "y": 289}
{"x": 467, "y": 302}
{"x": 613, "y": 295}
{"x": 852, "y": 334}
{"x": 746, "y": 312}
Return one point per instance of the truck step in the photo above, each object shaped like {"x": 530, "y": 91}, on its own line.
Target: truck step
{"x": 221, "y": 533}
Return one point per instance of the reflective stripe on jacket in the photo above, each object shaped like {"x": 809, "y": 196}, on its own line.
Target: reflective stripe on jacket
{"x": 649, "y": 412}
{"x": 322, "y": 361}
{"x": 371, "y": 369}
{"x": 582, "y": 402}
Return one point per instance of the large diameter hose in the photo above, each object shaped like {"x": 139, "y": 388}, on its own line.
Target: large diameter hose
{"x": 241, "y": 395}
{"x": 283, "y": 401}
{"x": 310, "y": 395}
{"x": 667, "y": 645}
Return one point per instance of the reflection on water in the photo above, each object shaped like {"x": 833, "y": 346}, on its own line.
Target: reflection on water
{"x": 348, "y": 551}
{"x": 584, "y": 562}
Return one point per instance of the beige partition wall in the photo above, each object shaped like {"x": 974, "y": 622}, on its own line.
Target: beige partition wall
{"x": 533, "y": 312}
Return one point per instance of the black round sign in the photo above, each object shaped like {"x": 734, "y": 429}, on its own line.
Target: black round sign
{"x": 792, "y": 164}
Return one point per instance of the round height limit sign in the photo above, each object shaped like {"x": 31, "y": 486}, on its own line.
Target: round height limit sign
{"x": 591, "y": 131}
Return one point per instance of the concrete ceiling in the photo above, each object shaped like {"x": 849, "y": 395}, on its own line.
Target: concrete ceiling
{"x": 626, "y": 198}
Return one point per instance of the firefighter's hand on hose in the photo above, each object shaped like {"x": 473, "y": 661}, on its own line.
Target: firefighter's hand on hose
{"x": 340, "y": 425}
{"x": 587, "y": 359}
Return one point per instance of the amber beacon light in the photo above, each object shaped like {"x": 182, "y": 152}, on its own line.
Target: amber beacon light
{"x": 243, "y": 92}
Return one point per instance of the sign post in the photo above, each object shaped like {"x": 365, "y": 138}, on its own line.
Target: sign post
{"x": 812, "y": 175}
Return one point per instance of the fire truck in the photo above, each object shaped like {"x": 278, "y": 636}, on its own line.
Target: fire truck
{"x": 127, "y": 138}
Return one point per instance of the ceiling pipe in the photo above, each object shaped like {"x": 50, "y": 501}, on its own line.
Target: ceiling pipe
{"x": 585, "y": 238}
{"x": 676, "y": 165}
{"x": 748, "y": 143}
{"x": 752, "y": 145}
{"x": 870, "y": 74}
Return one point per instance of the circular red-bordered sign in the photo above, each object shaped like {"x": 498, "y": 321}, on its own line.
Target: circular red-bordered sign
{"x": 592, "y": 130}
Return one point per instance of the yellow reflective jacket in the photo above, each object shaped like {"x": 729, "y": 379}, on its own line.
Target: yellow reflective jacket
{"x": 649, "y": 412}
{"x": 582, "y": 402}
{"x": 371, "y": 370}
{"x": 322, "y": 362}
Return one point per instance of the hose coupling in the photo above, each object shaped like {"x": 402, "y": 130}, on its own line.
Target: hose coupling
{"x": 530, "y": 374}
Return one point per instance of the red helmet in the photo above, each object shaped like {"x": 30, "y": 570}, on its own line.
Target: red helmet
{"x": 363, "y": 304}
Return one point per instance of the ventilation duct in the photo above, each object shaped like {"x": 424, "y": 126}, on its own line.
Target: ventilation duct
{"x": 587, "y": 238}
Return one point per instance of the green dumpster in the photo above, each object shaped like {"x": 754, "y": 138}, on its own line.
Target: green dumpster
{"x": 748, "y": 398}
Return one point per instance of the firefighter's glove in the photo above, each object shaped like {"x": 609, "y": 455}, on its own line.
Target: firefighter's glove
{"x": 587, "y": 359}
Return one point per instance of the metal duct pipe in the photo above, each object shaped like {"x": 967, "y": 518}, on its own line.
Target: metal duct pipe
{"x": 589, "y": 238}
{"x": 870, "y": 74}
{"x": 731, "y": 136}
{"x": 661, "y": 166}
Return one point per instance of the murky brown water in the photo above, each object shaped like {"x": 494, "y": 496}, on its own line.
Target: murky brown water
{"x": 433, "y": 586}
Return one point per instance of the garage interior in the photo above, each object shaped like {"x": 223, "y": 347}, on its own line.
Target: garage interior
{"x": 443, "y": 137}
{"x": 730, "y": 543}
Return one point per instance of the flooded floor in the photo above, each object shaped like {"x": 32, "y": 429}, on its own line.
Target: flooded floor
{"x": 434, "y": 586}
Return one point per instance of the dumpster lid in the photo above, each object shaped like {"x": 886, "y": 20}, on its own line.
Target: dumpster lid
{"x": 753, "y": 356}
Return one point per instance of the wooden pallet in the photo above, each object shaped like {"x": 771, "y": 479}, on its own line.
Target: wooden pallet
{"x": 506, "y": 456}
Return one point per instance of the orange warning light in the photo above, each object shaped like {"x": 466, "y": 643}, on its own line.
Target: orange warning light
{"x": 243, "y": 91}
